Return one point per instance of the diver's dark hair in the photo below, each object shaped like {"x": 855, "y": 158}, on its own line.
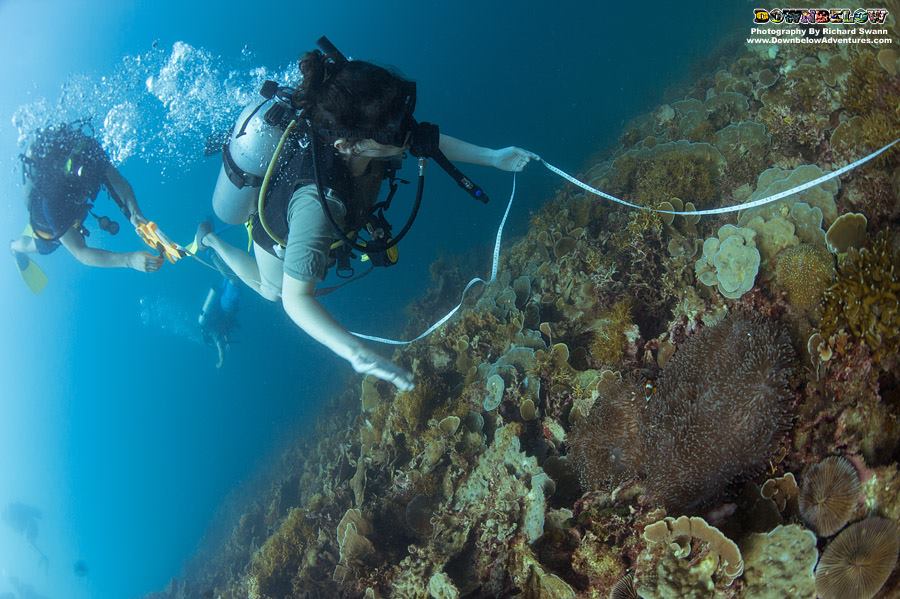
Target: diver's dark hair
{"x": 354, "y": 95}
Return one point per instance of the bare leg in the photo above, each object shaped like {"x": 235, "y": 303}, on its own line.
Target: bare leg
{"x": 23, "y": 245}
{"x": 221, "y": 349}
{"x": 239, "y": 261}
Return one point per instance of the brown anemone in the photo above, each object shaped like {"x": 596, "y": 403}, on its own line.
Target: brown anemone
{"x": 829, "y": 495}
{"x": 859, "y": 560}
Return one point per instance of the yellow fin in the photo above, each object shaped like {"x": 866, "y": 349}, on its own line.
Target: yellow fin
{"x": 31, "y": 273}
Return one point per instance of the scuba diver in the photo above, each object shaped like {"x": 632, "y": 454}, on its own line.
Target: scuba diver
{"x": 306, "y": 165}
{"x": 63, "y": 170}
{"x": 218, "y": 317}
{"x": 23, "y": 519}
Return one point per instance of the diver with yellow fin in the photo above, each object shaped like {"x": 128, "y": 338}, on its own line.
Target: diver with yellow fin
{"x": 63, "y": 170}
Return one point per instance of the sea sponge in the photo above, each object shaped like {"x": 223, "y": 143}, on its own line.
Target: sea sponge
{"x": 804, "y": 272}
{"x": 731, "y": 261}
{"x": 829, "y": 495}
{"x": 859, "y": 560}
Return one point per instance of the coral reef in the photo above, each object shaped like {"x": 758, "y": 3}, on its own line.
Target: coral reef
{"x": 686, "y": 557}
{"x": 863, "y": 302}
{"x": 780, "y": 563}
{"x": 715, "y": 414}
{"x": 730, "y": 261}
{"x": 829, "y": 495}
{"x": 859, "y": 560}
{"x": 611, "y": 379}
{"x": 804, "y": 272}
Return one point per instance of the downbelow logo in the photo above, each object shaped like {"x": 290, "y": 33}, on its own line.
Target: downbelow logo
{"x": 819, "y": 16}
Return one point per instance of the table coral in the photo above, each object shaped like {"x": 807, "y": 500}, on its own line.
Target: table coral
{"x": 745, "y": 146}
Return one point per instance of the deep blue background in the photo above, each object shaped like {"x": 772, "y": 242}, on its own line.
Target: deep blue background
{"x": 129, "y": 438}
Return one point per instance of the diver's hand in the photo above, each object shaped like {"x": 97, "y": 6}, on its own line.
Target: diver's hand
{"x": 137, "y": 219}
{"x": 513, "y": 159}
{"x": 144, "y": 261}
{"x": 367, "y": 362}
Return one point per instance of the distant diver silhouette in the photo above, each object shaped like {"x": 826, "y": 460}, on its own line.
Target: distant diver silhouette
{"x": 23, "y": 519}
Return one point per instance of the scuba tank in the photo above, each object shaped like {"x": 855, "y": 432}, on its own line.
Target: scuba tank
{"x": 245, "y": 157}
{"x": 204, "y": 317}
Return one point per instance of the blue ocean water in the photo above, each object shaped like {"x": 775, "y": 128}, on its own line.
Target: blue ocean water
{"x": 115, "y": 424}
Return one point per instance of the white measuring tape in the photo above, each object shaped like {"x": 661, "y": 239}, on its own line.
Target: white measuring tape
{"x": 744, "y": 206}
{"x": 494, "y": 267}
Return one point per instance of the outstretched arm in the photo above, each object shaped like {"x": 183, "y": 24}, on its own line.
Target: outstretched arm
{"x": 305, "y": 310}
{"x": 73, "y": 241}
{"x": 121, "y": 189}
{"x": 506, "y": 159}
